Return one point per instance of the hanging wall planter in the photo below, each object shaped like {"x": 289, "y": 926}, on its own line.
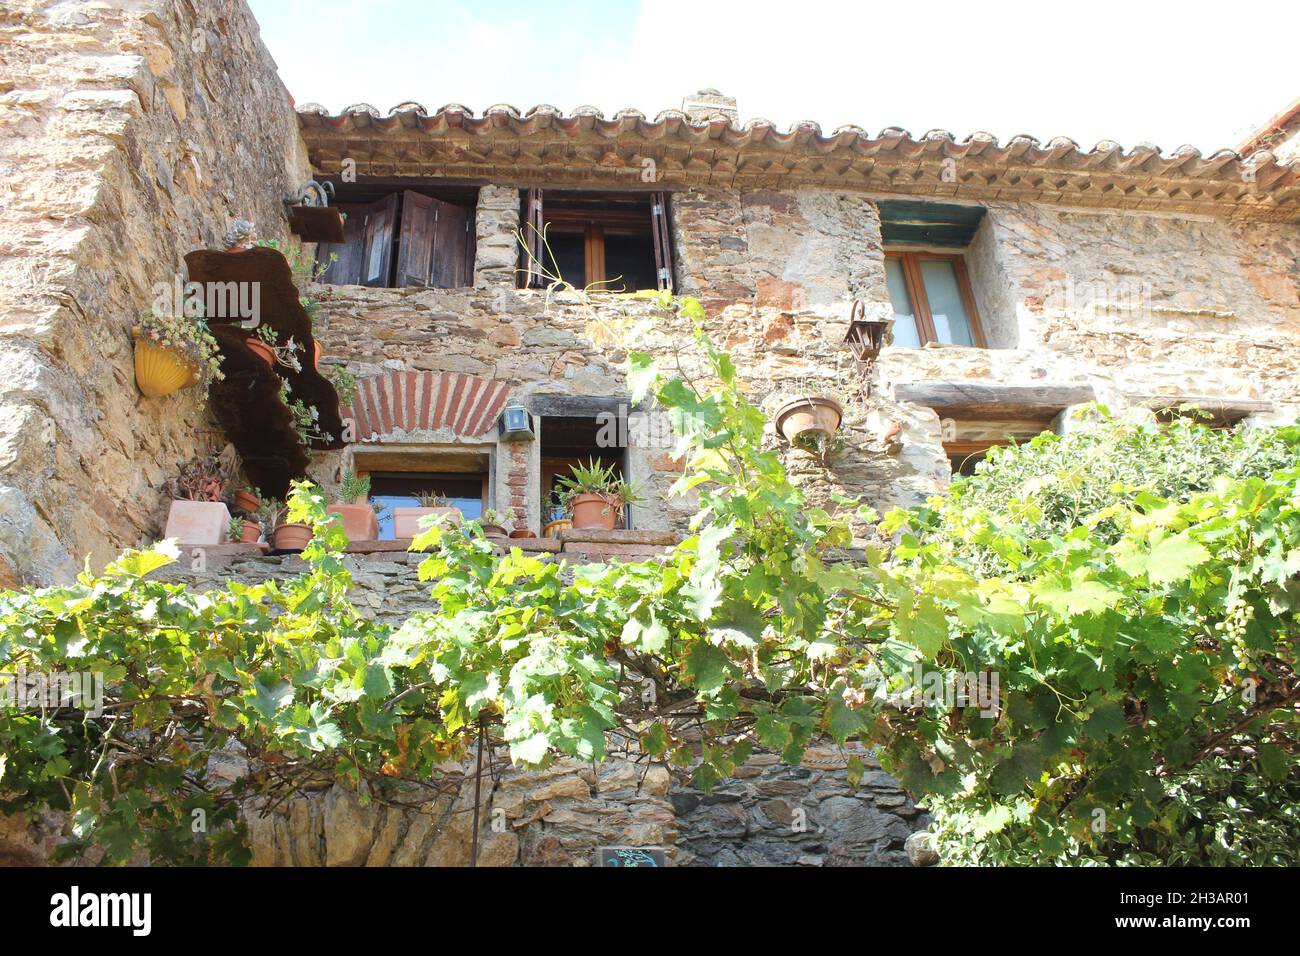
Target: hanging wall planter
{"x": 158, "y": 371}
{"x": 808, "y": 419}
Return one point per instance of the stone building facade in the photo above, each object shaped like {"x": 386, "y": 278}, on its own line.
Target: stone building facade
{"x": 134, "y": 133}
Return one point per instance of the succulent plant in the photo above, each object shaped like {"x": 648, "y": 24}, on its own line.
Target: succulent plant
{"x": 241, "y": 234}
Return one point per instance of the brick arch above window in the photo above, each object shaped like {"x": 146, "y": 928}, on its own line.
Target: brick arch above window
{"x": 425, "y": 402}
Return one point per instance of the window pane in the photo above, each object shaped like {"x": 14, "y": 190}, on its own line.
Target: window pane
{"x": 400, "y": 490}
{"x": 904, "y": 318}
{"x": 951, "y": 324}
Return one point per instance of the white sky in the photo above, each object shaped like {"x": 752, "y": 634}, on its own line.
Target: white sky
{"x": 1166, "y": 73}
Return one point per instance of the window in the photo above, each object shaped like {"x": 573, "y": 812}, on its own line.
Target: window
{"x": 568, "y": 440}
{"x": 963, "y": 456}
{"x": 616, "y": 241}
{"x": 416, "y": 236}
{"x": 402, "y": 489}
{"x": 932, "y": 300}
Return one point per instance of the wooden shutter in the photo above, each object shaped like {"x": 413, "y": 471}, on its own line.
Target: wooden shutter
{"x": 379, "y": 220}
{"x": 663, "y": 249}
{"x": 349, "y": 254}
{"x": 533, "y": 233}
{"x": 431, "y": 250}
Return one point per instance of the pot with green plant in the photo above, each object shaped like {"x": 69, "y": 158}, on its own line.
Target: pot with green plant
{"x": 407, "y": 521}
{"x": 245, "y": 531}
{"x": 596, "y": 496}
{"x": 174, "y": 352}
{"x": 198, "y": 512}
{"x": 809, "y": 421}
{"x": 360, "y": 522}
{"x": 247, "y": 499}
{"x": 283, "y": 535}
{"x": 494, "y": 522}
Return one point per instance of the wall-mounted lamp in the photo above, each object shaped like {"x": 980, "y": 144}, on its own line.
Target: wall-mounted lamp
{"x": 515, "y": 424}
{"x": 866, "y": 336}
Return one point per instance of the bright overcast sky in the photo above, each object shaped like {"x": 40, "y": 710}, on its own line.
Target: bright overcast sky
{"x": 1129, "y": 71}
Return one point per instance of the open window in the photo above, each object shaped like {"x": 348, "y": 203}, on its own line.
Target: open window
{"x": 617, "y": 242}
{"x": 415, "y": 235}
{"x": 401, "y": 476}
{"x": 926, "y": 273}
{"x": 568, "y": 440}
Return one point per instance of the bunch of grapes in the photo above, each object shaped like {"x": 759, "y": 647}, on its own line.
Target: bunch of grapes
{"x": 1237, "y": 617}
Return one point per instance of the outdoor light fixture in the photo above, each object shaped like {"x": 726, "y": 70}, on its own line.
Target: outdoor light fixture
{"x": 865, "y": 336}
{"x": 515, "y": 424}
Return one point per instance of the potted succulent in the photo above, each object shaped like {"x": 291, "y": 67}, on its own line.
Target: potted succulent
{"x": 595, "y": 496}
{"x": 493, "y": 522}
{"x": 265, "y": 344}
{"x": 809, "y": 420}
{"x": 283, "y": 535}
{"x": 241, "y": 236}
{"x": 245, "y": 531}
{"x": 406, "y": 521}
{"x": 173, "y": 352}
{"x": 198, "y": 513}
{"x": 360, "y": 522}
{"x": 247, "y": 499}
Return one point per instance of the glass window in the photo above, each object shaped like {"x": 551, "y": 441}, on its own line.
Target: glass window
{"x": 951, "y": 323}
{"x": 905, "y": 334}
{"x": 932, "y": 300}
{"x": 402, "y": 490}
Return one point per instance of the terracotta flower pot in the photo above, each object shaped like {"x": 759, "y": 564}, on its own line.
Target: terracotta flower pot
{"x": 522, "y": 533}
{"x": 198, "y": 522}
{"x": 359, "y": 521}
{"x": 554, "y": 529}
{"x": 809, "y": 414}
{"x": 316, "y": 354}
{"x": 494, "y": 531}
{"x": 291, "y": 537}
{"x": 261, "y": 350}
{"x": 159, "y": 372}
{"x": 406, "y": 521}
{"x": 246, "y": 502}
{"x": 250, "y": 532}
{"x": 593, "y": 511}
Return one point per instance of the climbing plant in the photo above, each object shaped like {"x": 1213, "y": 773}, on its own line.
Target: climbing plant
{"x": 1123, "y": 658}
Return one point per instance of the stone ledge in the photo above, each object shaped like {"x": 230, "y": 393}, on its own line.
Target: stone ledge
{"x": 620, "y": 536}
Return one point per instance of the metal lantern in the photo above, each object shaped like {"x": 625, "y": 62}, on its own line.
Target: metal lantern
{"x": 515, "y": 424}
{"x": 865, "y": 336}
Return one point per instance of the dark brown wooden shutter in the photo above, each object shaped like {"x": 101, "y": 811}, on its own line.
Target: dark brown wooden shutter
{"x": 533, "y": 233}
{"x": 349, "y": 254}
{"x": 663, "y": 247}
{"x": 379, "y": 220}
{"x": 431, "y": 251}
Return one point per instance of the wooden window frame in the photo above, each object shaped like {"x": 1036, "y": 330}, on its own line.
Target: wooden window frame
{"x": 912, "y": 278}
{"x": 592, "y": 223}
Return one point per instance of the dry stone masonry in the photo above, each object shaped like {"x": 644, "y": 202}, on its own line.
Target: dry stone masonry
{"x": 132, "y": 133}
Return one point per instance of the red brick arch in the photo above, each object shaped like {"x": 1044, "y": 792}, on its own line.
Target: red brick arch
{"x": 425, "y": 401}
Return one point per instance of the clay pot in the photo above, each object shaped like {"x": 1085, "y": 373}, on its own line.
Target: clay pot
{"x": 494, "y": 531}
{"x": 198, "y": 522}
{"x": 246, "y": 502}
{"x": 406, "y": 521}
{"x": 250, "y": 533}
{"x": 291, "y": 537}
{"x": 159, "y": 372}
{"x": 807, "y": 415}
{"x": 554, "y": 529}
{"x": 593, "y": 511}
{"x": 359, "y": 521}
{"x": 261, "y": 350}
{"x": 522, "y": 533}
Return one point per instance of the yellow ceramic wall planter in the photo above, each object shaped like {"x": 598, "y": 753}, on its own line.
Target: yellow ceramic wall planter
{"x": 159, "y": 372}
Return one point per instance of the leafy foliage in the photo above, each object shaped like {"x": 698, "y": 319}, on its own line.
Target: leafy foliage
{"x": 1145, "y": 653}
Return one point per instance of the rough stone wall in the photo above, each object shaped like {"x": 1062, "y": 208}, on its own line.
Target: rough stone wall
{"x": 130, "y": 134}
{"x": 1136, "y": 305}
{"x": 768, "y": 813}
